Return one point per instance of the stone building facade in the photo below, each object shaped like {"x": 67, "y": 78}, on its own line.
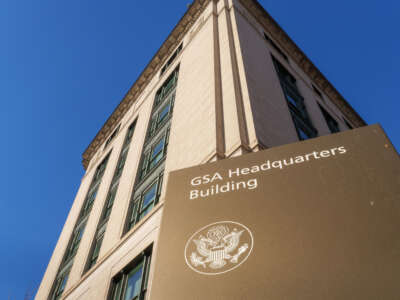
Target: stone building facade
{"x": 227, "y": 81}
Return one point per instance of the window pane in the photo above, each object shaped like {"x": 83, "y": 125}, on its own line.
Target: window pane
{"x": 164, "y": 113}
{"x": 333, "y": 126}
{"x": 150, "y": 195}
{"x": 332, "y": 123}
{"x": 130, "y": 133}
{"x": 97, "y": 248}
{"x": 117, "y": 291}
{"x": 60, "y": 285}
{"x": 134, "y": 283}
{"x": 169, "y": 85}
{"x": 152, "y": 126}
{"x": 291, "y": 100}
{"x": 89, "y": 200}
{"x": 121, "y": 164}
{"x": 157, "y": 149}
{"x": 79, "y": 235}
{"x": 158, "y": 97}
{"x": 302, "y": 134}
{"x": 132, "y": 219}
{"x": 156, "y": 154}
{"x": 76, "y": 240}
{"x": 111, "y": 196}
{"x": 147, "y": 271}
{"x": 146, "y": 210}
{"x": 156, "y": 160}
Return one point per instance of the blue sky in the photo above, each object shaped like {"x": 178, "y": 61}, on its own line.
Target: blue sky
{"x": 65, "y": 65}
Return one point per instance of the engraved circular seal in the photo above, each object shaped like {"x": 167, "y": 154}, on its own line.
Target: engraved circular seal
{"x": 218, "y": 248}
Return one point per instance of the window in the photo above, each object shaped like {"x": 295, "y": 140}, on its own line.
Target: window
{"x": 152, "y": 157}
{"x": 295, "y": 102}
{"x": 74, "y": 243}
{"x": 167, "y": 87}
{"x": 147, "y": 188}
{"x": 90, "y": 197}
{"x": 59, "y": 285}
{"x": 271, "y": 42}
{"x": 332, "y": 123}
{"x": 112, "y": 136}
{"x": 284, "y": 76}
{"x": 164, "y": 113}
{"x": 100, "y": 171}
{"x": 94, "y": 186}
{"x": 95, "y": 251}
{"x": 156, "y": 153}
{"x": 129, "y": 134}
{"x": 171, "y": 59}
{"x": 109, "y": 203}
{"x": 144, "y": 202}
{"x": 160, "y": 117}
{"x": 131, "y": 283}
{"x": 303, "y": 131}
{"x": 102, "y": 225}
{"x": 120, "y": 164}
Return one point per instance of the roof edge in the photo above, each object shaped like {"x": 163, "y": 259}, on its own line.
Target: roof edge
{"x": 301, "y": 59}
{"x": 162, "y": 54}
{"x": 176, "y": 36}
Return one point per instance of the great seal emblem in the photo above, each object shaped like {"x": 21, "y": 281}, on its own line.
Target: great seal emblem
{"x": 218, "y": 248}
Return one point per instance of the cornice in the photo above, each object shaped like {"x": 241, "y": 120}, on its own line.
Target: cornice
{"x": 173, "y": 40}
{"x": 279, "y": 35}
{"x": 169, "y": 45}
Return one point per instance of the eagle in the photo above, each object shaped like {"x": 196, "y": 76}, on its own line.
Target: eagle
{"x": 217, "y": 250}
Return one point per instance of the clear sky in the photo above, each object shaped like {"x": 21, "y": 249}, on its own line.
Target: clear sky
{"x": 65, "y": 65}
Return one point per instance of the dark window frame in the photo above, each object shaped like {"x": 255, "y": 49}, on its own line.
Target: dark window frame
{"x": 136, "y": 209}
{"x": 73, "y": 244}
{"x": 155, "y": 123}
{"x": 91, "y": 195}
{"x": 295, "y": 102}
{"x": 93, "y": 255}
{"x": 332, "y": 123}
{"x": 167, "y": 87}
{"x": 119, "y": 282}
{"x": 110, "y": 198}
{"x": 112, "y": 136}
{"x": 59, "y": 285}
{"x": 275, "y": 46}
{"x": 146, "y": 166}
{"x": 301, "y": 127}
{"x": 171, "y": 59}
{"x": 153, "y": 168}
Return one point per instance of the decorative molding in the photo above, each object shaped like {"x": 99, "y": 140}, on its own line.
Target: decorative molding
{"x": 176, "y": 36}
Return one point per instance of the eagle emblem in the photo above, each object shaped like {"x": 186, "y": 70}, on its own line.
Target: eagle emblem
{"x": 218, "y": 247}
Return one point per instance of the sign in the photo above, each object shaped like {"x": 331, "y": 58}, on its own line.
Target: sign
{"x": 318, "y": 219}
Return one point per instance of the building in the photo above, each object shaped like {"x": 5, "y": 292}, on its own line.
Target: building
{"x": 227, "y": 81}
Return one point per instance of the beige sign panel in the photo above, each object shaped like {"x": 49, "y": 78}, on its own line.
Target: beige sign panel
{"x": 319, "y": 219}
